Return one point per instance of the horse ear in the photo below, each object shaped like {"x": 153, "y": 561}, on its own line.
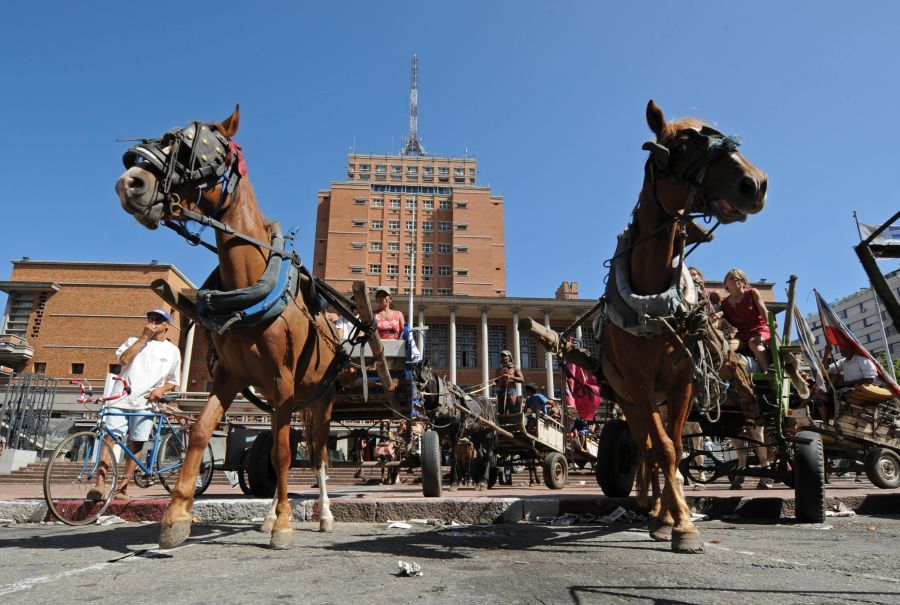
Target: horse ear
{"x": 655, "y": 118}
{"x": 229, "y": 125}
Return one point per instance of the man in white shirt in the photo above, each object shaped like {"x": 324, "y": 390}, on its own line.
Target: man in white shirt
{"x": 152, "y": 365}
{"x": 851, "y": 370}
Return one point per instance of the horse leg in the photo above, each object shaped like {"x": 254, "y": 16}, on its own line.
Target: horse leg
{"x": 282, "y": 536}
{"x": 685, "y": 536}
{"x": 321, "y": 422}
{"x": 175, "y": 526}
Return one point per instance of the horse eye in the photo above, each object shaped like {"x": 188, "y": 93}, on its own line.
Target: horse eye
{"x": 680, "y": 148}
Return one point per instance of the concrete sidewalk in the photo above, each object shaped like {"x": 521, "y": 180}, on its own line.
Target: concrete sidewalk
{"x": 379, "y": 503}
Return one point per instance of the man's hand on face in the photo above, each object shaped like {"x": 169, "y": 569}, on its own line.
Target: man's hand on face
{"x": 152, "y": 330}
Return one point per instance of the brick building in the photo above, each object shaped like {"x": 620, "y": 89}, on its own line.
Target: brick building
{"x": 369, "y": 225}
{"x": 66, "y": 319}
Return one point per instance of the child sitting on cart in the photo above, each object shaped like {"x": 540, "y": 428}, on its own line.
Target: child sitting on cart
{"x": 744, "y": 309}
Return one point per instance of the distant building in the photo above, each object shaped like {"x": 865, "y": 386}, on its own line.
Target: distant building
{"x": 858, "y": 313}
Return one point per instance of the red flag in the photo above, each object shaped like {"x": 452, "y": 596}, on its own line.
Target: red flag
{"x": 837, "y": 334}
{"x": 582, "y": 391}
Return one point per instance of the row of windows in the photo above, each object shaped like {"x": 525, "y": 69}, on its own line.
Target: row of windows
{"x": 427, "y": 270}
{"x": 415, "y": 179}
{"x": 411, "y": 204}
{"x": 40, "y": 367}
{"x": 394, "y": 225}
{"x": 395, "y": 169}
{"x": 427, "y": 247}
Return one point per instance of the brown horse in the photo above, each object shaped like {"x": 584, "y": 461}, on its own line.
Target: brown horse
{"x": 693, "y": 171}
{"x": 199, "y": 169}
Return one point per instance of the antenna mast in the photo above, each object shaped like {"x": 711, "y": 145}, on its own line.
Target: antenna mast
{"x": 413, "y": 146}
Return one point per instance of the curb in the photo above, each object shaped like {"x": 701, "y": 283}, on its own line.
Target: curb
{"x": 483, "y": 510}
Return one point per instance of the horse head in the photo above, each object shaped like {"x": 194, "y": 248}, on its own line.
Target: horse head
{"x": 193, "y": 163}
{"x": 697, "y": 169}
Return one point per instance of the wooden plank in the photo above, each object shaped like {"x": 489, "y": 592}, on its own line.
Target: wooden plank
{"x": 551, "y": 341}
{"x": 364, "y": 307}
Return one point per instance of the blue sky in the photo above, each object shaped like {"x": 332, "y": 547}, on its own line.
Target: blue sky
{"x": 810, "y": 86}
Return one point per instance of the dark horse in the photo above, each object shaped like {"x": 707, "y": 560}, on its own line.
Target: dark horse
{"x": 693, "y": 170}
{"x": 198, "y": 169}
{"x": 443, "y": 402}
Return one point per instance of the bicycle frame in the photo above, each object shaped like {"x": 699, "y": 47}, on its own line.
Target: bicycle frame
{"x": 160, "y": 423}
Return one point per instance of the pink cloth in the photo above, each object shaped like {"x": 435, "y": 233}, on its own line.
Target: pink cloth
{"x": 583, "y": 392}
{"x": 745, "y": 317}
{"x": 389, "y": 329}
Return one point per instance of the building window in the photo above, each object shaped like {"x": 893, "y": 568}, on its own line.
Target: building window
{"x": 356, "y": 268}
{"x": 393, "y": 246}
{"x": 410, "y": 225}
{"x": 396, "y": 169}
{"x": 462, "y": 204}
{"x": 428, "y": 226}
{"x": 428, "y": 270}
{"x": 462, "y": 226}
{"x": 472, "y": 171}
{"x": 496, "y": 343}
{"x": 429, "y": 170}
{"x": 456, "y": 171}
{"x": 410, "y": 204}
{"x": 380, "y": 168}
{"x": 427, "y": 248}
{"x": 374, "y": 269}
{"x": 465, "y": 346}
{"x": 20, "y": 305}
{"x": 436, "y": 344}
{"x": 444, "y": 248}
{"x": 378, "y": 202}
{"x": 462, "y": 272}
{"x": 408, "y": 246}
{"x": 445, "y": 205}
{"x": 377, "y": 224}
{"x": 426, "y": 291}
{"x": 77, "y": 369}
{"x": 375, "y": 246}
{"x": 395, "y": 203}
{"x": 393, "y": 269}
{"x": 394, "y": 225}
{"x": 40, "y": 367}
{"x": 443, "y": 170}
{"x": 587, "y": 339}
{"x": 428, "y": 205}
{"x": 443, "y": 291}
{"x": 444, "y": 226}
{"x": 407, "y": 270}
{"x": 412, "y": 170}
{"x": 843, "y": 314}
{"x": 365, "y": 167}
{"x": 358, "y": 245}
{"x": 528, "y": 351}
{"x": 462, "y": 249}
{"x": 444, "y": 270}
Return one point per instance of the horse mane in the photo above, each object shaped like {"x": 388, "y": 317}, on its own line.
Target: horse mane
{"x": 675, "y": 126}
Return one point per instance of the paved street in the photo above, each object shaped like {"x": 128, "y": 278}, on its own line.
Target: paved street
{"x": 845, "y": 560}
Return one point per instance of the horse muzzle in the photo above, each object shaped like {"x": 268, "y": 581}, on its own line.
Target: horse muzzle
{"x": 138, "y": 193}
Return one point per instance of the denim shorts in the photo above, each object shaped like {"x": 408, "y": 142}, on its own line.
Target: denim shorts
{"x": 138, "y": 427}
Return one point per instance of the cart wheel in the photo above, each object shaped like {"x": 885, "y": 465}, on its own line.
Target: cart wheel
{"x": 883, "y": 467}
{"x": 242, "y": 472}
{"x": 617, "y": 459}
{"x": 556, "y": 470}
{"x": 260, "y": 471}
{"x": 431, "y": 465}
{"x": 809, "y": 479}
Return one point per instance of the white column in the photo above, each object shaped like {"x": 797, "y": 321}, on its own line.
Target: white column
{"x": 578, "y": 332}
{"x": 485, "y": 358}
{"x": 419, "y": 336}
{"x": 517, "y": 347}
{"x": 452, "y": 339}
{"x": 548, "y": 361}
{"x": 186, "y": 358}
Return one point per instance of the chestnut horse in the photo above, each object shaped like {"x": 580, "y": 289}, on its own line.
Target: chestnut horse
{"x": 200, "y": 170}
{"x": 693, "y": 170}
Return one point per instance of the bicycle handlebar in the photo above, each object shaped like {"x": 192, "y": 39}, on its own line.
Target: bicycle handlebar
{"x": 87, "y": 391}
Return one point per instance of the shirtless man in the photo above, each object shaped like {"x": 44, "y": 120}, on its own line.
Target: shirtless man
{"x": 507, "y": 377}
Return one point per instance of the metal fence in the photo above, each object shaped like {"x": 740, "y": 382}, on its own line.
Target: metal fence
{"x": 25, "y": 412}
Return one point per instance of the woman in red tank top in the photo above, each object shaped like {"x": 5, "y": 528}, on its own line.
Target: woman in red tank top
{"x": 388, "y": 321}
{"x": 745, "y": 310}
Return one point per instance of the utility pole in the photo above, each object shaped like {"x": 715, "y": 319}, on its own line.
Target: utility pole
{"x": 413, "y": 146}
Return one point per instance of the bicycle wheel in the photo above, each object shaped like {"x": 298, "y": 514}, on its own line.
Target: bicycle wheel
{"x": 72, "y": 472}
{"x": 172, "y": 450}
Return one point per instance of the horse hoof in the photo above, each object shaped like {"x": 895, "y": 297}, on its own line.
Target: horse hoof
{"x": 326, "y": 525}
{"x": 283, "y": 539}
{"x": 688, "y": 543}
{"x": 171, "y": 536}
{"x": 267, "y": 525}
{"x": 661, "y": 533}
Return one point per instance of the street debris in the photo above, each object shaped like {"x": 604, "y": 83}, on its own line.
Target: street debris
{"x": 409, "y": 570}
{"x": 398, "y": 525}
{"x": 840, "y": 510}
{"x": 109, "y": 520}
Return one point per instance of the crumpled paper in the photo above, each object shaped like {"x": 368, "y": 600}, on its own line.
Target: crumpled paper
{"x": 409, "y": 570}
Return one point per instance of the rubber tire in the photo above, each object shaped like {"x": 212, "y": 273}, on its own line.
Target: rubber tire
{"x": 883, "y": 467}
{"x": 243, "y": 481}
{"x": 59, "y": 454}
{"x": 809, "y": 479}
{"x": 260, "y": 470}
{"x": 556, "y": 470}
{"x": 431, "y": 464}
{"x": 206, "y": 464}
{"x": 617, "y": 460}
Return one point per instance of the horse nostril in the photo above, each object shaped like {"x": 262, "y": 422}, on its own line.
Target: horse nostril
{"x": 763, "y": 186}
{"x": 748, "y": 188}
{"x": 136, "y": 184}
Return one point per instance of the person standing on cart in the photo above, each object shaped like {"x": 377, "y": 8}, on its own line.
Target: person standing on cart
{"x": 508, "y": 375}
{"x": 389, "y": 321}
{"x": 152, "y": 365}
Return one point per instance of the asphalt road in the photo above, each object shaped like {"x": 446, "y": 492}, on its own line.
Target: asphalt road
{"x": 847, "y": 560}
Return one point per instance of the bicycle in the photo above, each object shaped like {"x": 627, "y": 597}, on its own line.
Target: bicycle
{"x": 75, "y": 465}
